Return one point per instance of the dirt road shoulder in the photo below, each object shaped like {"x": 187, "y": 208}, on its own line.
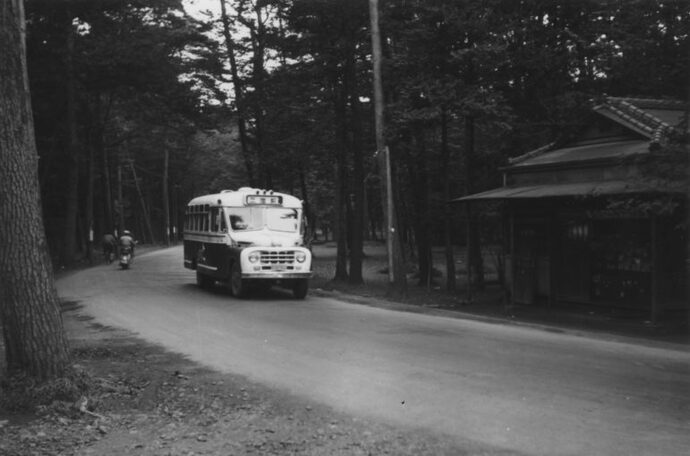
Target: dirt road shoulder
{"x": 146, "y": 400}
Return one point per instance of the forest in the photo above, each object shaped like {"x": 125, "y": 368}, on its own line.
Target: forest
{"x": 140, "y": 106}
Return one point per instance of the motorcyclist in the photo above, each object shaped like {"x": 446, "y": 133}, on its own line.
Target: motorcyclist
{"x": 127, "y": 241}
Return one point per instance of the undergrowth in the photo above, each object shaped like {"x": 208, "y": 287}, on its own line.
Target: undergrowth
{"x": 20, "y": 392}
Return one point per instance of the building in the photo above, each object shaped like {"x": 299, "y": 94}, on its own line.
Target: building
{"x": 589, "y": 221}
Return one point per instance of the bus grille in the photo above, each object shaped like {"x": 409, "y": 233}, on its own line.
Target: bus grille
{"x": 278, "y": 257}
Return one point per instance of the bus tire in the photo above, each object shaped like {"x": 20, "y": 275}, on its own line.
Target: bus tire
{"x": 238, "y": 287}
{"x": 300, "y": 288}
{"x": 203, "y": 280}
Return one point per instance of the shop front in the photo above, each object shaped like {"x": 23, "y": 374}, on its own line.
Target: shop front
{"x": 581, "y": 224}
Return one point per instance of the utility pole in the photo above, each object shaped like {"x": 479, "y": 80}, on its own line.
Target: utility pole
{"x": 397, "y": 280}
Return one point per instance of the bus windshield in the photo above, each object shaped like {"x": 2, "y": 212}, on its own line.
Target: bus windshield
{"x": 256, "y": 218}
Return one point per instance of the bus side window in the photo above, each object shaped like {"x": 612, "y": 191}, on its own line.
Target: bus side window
{"x": 215, "y": 225}
{"x": 221, "y": 217}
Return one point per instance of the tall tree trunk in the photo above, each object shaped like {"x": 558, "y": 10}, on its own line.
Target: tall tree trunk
{"x": 475, "y": 262}
{"x": 373, "y": 208}
{"x": 422, "y": 217}
{"x": 239, "y": 94}
{"x": 144, "y": 209}
{"x": 89, "y": 203}
{"x": 357, "y": 233}
{"x": 166, "y": 200}
{"x": 120, "y": 202}
{"x": 447, "y": 223}
{"x": 257, "y": 30}
{"x": 309, "y": 217}
{"x": 106, "y": 183}
{"x": 72, "y": 180}
{"x": 34, "y": 338}
{"x": 399, "y": 289}
{"x": 340, "y": 230}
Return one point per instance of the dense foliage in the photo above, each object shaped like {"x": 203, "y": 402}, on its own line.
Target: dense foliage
{"x": 120, "y": 85}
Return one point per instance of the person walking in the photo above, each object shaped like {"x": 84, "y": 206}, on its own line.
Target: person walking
{"x": 109, "y": 244}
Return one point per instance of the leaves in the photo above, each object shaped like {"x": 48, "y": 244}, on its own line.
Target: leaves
{"x": 524, "y": 72}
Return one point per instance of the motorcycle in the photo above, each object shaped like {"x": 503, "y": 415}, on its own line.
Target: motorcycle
{"x": 125, "y": 257}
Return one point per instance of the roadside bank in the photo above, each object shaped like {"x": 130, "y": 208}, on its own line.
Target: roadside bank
{"x": 489, "y": 304}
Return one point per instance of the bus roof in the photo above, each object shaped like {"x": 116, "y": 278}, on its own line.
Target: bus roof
{"x": 236, "y": 198}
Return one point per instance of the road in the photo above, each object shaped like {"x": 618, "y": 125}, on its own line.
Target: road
{"x": 523, "y": 389}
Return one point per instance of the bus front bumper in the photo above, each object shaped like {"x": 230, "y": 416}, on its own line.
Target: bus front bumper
{"x": 278, "y": 275}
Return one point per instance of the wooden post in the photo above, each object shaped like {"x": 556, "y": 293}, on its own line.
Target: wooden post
{"x": 397, "y": 280}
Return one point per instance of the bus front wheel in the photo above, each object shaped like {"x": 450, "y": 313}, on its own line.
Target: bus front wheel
{"x": 238, "y": 287}
{"x": 300, "y": 288}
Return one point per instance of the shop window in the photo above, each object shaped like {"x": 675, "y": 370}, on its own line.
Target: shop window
{"x": 621, "y": 262}
{"x": 577, "y": 231}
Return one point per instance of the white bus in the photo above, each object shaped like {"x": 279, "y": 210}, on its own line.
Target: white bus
{"x": 247, "y": 238}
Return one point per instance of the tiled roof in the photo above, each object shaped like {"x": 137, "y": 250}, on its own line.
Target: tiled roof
{"x": 650, "y": 103}
{"x": 586, "y": 153}
{"x": 651, "y": 117}
{"x": 592, "y": 189}
{"x": 634, "y": 113}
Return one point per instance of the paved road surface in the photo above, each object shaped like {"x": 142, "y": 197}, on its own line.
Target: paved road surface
{"x": 509, "y": 387}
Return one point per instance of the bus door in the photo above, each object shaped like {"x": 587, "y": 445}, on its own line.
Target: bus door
{"x": 216, "y": 248}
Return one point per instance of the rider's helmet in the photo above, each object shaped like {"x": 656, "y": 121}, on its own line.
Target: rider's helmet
{"x": 126, "y": 233}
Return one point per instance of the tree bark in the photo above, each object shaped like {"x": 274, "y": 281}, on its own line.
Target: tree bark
{"x": 309, "y": 233}
{"x": 166, "y": 198}
{"x": 106, "y": 183}
{"x": 475, "y": 262}
{"x": 357, "y": 233}
{"x": 422, "y": 216}
{"x": 257, "y": 31}
{"x": 72, "y": 179}
{"x": 89, "y": 204}
{"x": 448, "y": 222}
{"x": 144, "y": 209}
{"x": 259, "y": 78}
{"x": 340, "y": 227}
{"x": 34, "y": 338}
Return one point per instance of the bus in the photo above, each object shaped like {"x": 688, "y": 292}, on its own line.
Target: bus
{"x": 248, "y": 239}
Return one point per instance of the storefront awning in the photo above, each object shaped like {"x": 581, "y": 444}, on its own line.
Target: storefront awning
{"x": 559, "y": 190}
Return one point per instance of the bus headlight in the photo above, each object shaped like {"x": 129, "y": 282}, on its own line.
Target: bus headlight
{"x": 254, "y": 257}
{"x": 301, "y": 257}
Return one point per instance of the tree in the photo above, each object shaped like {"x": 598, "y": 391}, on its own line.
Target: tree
{"x": 114, "y": 83}
{"x": 330, "y": 39}
{"x": 238, "y": 90}
{"x": 34, "y": 338}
